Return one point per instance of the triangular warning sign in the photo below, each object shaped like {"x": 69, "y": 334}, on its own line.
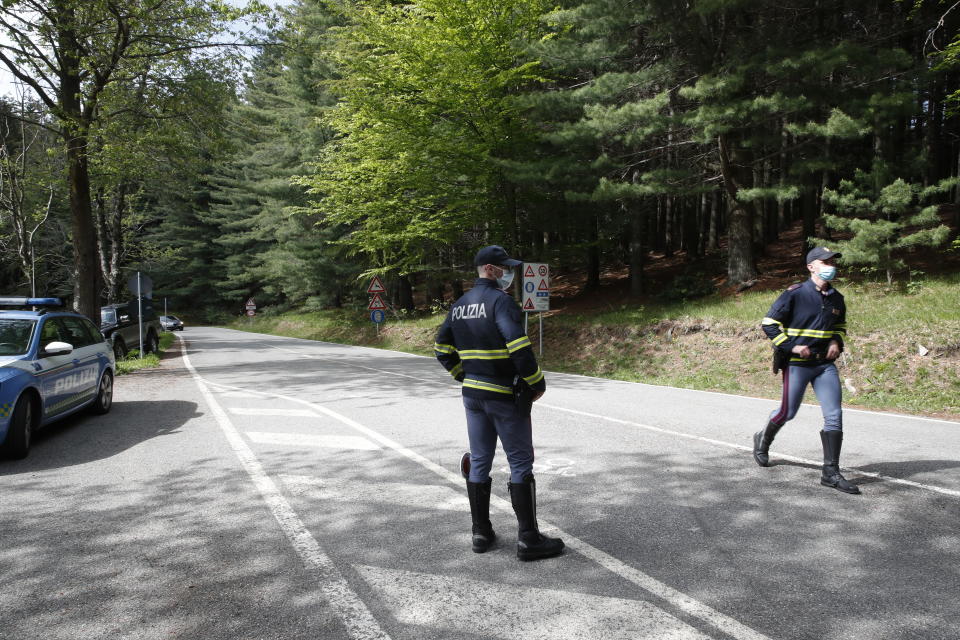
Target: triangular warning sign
{"x": 376, "y": 286}
{"x": 376, "y": 302}
{"x": 529, "y": 272}
{"x": 528, "y": 304}
{"x": 543, "y": 285}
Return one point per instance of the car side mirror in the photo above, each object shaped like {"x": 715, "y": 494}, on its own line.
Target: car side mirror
{"x": 56, "y": 348}
{"x": 124, "y": 318}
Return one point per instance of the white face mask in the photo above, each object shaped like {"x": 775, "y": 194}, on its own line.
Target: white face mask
{"x": 506, "y": 279}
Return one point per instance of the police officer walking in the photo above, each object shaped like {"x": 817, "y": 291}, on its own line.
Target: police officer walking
{"x": 482, "y": 343}
{"x": 807, "y": 325}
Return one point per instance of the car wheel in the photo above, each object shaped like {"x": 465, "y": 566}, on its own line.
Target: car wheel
{"x": 119, "y": 349}
{"x": 152, "y": 343}
{"x": 104, "y": 399}
{"x": 21, "y": 429}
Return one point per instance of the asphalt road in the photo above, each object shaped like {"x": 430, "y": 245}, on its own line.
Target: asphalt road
{"x": 266, "y": 487}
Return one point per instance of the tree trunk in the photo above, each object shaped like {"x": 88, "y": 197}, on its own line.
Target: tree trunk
{"x": 86, "y": 269}
{"x": 713, "y": 239}
{"x": 593, "y": 257}
{"x": 637, "y": 218}
{"x": 741, "y": 266}
{"x": 405, "y": 293}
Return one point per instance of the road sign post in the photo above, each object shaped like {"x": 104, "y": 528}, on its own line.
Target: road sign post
{"x": 377, "y": 305}
{"x": 536, "y": 292}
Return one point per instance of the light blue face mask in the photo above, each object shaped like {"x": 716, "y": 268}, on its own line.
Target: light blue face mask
{"x": 827, "y": 272}
{"x": 505, "y": 280}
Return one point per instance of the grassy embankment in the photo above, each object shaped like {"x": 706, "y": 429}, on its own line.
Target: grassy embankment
{"x": 716, "y": 344}
{"x": 134, "y": 362}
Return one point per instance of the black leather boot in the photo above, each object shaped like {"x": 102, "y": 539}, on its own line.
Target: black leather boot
{"x": 762, "y": 441}
{"x": 831, "y": 477}
{"x": 483, "y": 535}
{"x": 531, "y": 544}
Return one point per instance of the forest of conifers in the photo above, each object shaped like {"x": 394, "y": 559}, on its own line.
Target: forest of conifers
{"x": 235, "y": 153}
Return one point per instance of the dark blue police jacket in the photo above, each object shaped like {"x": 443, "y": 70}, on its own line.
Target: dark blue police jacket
{"x": 805, "y": 315}
{"x": 482, "y": 344}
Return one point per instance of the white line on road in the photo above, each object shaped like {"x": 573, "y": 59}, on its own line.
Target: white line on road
{"x": 740, "y": 447}
{"x": 870, "y": 474}
{"x": 886, "y": 414}
{"x": 465, "y": 604}
{"x": 360, "y": 623}
{"x": 277, "y": 413}
{"x": 356, "y": 443}
{"x": 676, "y": 598}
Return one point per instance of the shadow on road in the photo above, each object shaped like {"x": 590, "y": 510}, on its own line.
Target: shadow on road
{"x": 83, "y": 438}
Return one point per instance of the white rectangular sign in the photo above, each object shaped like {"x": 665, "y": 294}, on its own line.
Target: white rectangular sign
{"x": 536, "y": 287}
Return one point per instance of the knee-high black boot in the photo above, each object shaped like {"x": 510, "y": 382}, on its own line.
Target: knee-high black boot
{"x": 483, "y": 535}
{"x": 831, "y": 477}
{"x": 762, "y": 441}
{"x": 531, "y": 544}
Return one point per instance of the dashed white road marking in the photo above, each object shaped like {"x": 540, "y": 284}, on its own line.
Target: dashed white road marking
{"x": 678, "y": 599}
{"x": 360, "y": 623}
{"x": 420, "y": 496}
{"x": 356, "y": 443}
{"x": 532, "y": 613}
{"x": 279, "y": 413}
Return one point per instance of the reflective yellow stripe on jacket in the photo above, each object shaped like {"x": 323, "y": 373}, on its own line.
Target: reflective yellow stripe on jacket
{"x": 781, "y": 337}
{"x": 487, "y": 386}
{"x": 484, "y": 354}
{"x": 443, "y": 348}
{"x": 518, "y": 344}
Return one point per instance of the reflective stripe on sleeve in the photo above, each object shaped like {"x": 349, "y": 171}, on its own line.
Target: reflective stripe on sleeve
{"x": 771, "y": 321}
{"x": 443, "y": 348}
{"x": 780, "y": 339}
{"x": 535, "y": 378}
{"x": 456, "y": 370}
{"x": 517, "y": 344}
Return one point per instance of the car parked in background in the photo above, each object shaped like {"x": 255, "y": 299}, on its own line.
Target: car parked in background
{"x": 52, "y": 364}
{"x": 120, "y": 326}
{"x": 171, "y": 323}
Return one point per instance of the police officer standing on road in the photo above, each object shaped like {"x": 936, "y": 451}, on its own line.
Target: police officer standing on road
{"x": 482, "y": 344}
{"x": 807, "y": 325}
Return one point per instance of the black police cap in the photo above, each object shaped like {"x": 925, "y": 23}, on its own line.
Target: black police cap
{"x": 821, "y": 253}
{"x": 494, "y": 254}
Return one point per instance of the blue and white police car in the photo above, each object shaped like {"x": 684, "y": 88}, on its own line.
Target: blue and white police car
{"x": 52, "y": 364}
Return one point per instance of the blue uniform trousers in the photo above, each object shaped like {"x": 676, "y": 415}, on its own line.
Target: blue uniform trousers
{"x": 489, "y": 419}
{"x": 826, "y": 386}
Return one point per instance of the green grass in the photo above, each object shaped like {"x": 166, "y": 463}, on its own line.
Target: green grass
{"x": 133, "y": 361}
{"x": 716, "y": 343}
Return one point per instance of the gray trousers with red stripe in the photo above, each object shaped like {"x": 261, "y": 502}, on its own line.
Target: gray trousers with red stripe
{"x": 826, "y": 385}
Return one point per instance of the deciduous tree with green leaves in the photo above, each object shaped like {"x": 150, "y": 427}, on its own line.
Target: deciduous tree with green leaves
{"x": 70, "y": 53}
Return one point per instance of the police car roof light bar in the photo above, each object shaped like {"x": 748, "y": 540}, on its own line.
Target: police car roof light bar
{"x": 31, "y": 302}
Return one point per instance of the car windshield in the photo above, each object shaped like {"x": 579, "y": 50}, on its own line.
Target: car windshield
{"x": 108, "y": 316}
{"x": 15, "y": 336}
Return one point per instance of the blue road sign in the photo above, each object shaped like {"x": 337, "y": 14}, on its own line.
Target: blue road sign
{"x": 377, "y": 316}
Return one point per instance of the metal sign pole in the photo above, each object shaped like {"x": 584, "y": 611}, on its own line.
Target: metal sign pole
{"x": 541, "y": 333}
{"x": 140, "y": 313}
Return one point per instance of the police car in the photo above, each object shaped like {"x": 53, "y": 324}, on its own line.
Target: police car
{"x": 52, "y": 364}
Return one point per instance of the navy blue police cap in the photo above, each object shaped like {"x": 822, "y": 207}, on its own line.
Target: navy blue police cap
{"x": 494, "y": 254}
{"x": 821, "y": 253}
